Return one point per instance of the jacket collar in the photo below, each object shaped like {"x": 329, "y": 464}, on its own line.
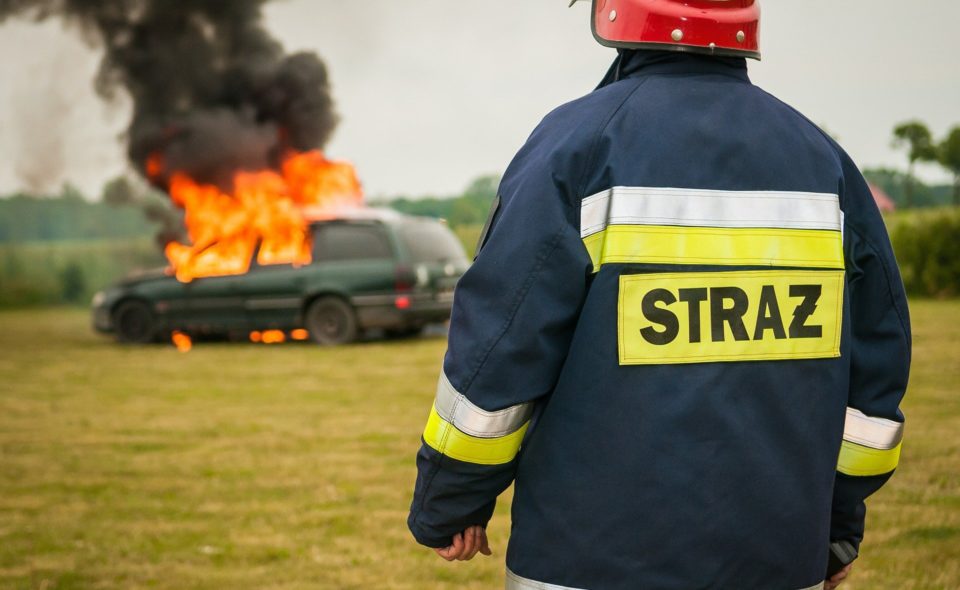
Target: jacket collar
{"x": 631, "y": 63}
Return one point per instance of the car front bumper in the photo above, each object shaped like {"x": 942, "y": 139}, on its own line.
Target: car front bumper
{"x": 101, "y": 319}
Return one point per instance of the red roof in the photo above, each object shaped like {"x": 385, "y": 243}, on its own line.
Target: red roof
{"x": 884, "y": 202}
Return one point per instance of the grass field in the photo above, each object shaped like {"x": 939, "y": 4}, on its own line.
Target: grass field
{"x": 250, "y": 466}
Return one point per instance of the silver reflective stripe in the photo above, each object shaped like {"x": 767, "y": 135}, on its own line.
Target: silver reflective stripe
{"x": 635, "y": 205}
{"x": 876, "y": 433}
{"x": 456, "y": 409}
{"x": 515, "y": 582}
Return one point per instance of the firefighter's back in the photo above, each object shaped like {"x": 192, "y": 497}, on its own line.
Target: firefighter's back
{"x": 692, "y": 436}
{"x": 684, "y": 336}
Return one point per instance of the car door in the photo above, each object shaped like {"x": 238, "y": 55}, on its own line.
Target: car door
{"x": 213, "y": 304}
{"x": 272, "y": 295}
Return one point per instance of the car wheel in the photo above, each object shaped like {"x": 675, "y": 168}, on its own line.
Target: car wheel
{"x": 331, "y": 321}
{"x": 134, "y": 323}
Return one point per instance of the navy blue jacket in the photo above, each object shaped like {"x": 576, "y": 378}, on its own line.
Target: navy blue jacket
{"x": 685, "y": 339}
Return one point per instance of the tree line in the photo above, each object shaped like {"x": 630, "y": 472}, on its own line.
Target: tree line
{"x": 471, "y": 207}
{"x": 915, "y": 137}
{"x": 67, "y": 216}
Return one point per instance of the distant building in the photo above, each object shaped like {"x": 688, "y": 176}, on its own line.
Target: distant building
{"x": 884, "y": 202}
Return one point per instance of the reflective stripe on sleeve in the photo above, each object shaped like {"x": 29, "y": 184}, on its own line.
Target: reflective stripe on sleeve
{"x": 876, "y": 433}
{"x": 515, "y": 582}
{"x": 871, "y": 446}
{"x": 446, "y": 439}
{"x": 455, "y": 408}
{"x": 862, "y": 461}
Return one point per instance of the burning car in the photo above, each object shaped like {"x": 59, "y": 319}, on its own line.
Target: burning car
{"x": 367, "y": 268}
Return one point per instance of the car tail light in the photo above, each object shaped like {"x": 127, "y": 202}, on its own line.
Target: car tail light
{"x": 405, "y": 279}
{"x": 402, "y": 302}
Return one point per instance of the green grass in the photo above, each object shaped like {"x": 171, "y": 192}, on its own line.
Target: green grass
{"x": 252, "y": 466}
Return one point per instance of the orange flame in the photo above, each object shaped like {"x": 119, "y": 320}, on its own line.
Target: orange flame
{"x": 154, "y": 165}
{"x": 182, "y": 341}
{"x": 274, "y": 336}
{"x": 268, "y": 208}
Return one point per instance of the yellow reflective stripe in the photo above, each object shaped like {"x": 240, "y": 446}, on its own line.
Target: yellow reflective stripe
{"x": 655, "y": 244}
{"x": 860, "y": 460}
{"x": 594, "y": 245}
{"x": 444, "y": 438}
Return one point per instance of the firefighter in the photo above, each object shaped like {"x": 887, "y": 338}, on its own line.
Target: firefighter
{"x": 684, "y": 338}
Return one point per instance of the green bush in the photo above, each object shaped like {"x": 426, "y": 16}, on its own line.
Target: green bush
{"x": 68, "y": 271}
{"x": 73, "y": 283}
{"x": 928, "y": 252}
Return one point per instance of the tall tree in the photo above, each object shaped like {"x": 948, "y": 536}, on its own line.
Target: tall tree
{"x": 949, "y": 156}
{"x": 916, "y": 137}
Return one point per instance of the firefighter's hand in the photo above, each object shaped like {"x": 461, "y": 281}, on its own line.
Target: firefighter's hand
{"x": 837, "y": 578}
{"x": 466, "y": 545}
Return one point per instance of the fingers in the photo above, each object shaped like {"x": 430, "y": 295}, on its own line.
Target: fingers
{"x": 453, "y": 551}
{"x": 457, "y": 547}
{"x": 466, "y": 545}
{"x": 484, "y": 544}
{"x": 478, "y": 535}
{"x": 842, "y": 574}
{"x": 469, "y": 544}
{"x": 837, "y": 578}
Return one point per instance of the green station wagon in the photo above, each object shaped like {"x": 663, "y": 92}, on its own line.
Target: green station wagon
{"x": 372, "y": 269}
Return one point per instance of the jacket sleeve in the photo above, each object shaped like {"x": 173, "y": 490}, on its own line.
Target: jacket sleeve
{"x": 879, "y": 361}
{"x": 513, "y": 317}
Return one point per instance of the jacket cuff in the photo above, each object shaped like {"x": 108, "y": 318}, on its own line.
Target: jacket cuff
{"x": 427, "y": 539}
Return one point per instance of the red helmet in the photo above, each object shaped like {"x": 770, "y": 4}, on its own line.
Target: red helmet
{"x": 714, "y": 27}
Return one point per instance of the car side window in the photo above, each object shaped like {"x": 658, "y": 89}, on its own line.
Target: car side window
{"x": 343, "y": 241}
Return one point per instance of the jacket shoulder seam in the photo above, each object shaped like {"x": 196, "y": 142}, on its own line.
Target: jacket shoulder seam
{"x": 595, "y": 143}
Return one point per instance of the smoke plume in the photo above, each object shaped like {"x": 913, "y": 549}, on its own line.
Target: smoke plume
{"x": 43, "y": 111}
{"x": 212, "y": 91}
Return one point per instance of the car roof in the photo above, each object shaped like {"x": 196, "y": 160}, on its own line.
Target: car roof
{"x": 380, "y": 214}
{"x": 364, "y": 214}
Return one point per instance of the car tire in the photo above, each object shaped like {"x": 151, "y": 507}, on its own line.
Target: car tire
{"x": 134, "y": 323}
{"x": 331, "y": 321}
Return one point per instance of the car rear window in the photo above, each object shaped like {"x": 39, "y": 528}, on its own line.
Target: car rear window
{"x": 430, "y": 241}
{"x": 345, "y": 241}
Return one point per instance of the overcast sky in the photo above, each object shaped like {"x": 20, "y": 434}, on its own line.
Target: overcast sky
{"x": 433, "y": 93}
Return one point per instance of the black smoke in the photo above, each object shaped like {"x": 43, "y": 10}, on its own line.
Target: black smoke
{"x": 212, "y": 91}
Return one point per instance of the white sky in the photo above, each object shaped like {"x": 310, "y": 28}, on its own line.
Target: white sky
{"x": 433, "y": 93}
